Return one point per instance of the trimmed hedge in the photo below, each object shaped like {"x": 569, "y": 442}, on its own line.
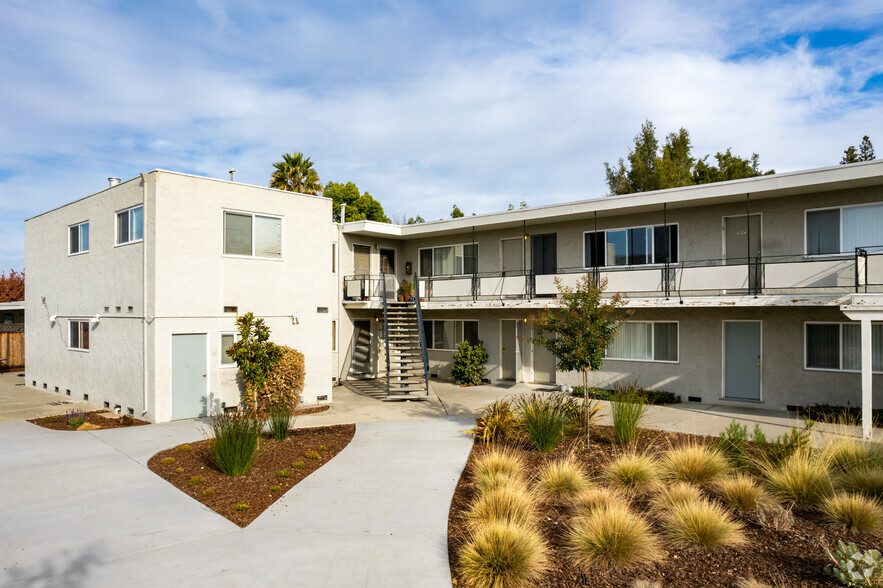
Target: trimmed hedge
{"x": 653, "y": 396}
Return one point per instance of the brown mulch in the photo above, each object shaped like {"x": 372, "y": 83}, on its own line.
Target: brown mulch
{"x": 59, "y": 422}
{"x": 220, "y": 492}
{"x": 780, "y": 558}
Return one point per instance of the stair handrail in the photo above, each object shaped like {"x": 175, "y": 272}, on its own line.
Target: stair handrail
{"x": 422, "y": 335}
{"x": 386, "y": 329}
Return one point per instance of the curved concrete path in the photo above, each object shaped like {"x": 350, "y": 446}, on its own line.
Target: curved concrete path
{"x": 81, "y": 509}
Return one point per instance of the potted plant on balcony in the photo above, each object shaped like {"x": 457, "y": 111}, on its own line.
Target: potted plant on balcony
{"x": 406, "y": 291}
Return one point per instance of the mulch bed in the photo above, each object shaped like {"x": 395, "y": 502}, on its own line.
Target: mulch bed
{"x": 780, "y": 558}
{"x": 220, "y": 492}
{"x": 59, "y": 422}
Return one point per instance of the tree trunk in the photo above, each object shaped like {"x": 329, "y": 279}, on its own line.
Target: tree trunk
{"x": 586, "y": 402}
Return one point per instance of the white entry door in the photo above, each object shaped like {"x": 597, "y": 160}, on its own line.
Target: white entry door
{"x": 189, "y": 376}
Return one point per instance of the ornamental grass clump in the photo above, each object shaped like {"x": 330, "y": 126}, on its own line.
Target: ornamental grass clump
{"x": 279, "y": 421}
{"x": 236, "y": 441}
{"x": 672, "y": 495}
{"x": 498, "y": 461}
{"x": 867, "y": 481}
{"x": 845, "y": 455}
{"x": 852, "y": 512}
{"x": 612, "y": 537}
{"x": 508, "y": 504}
{"x": 543, "y": 420}
{"x": 627, "y": 409}
{"x": 632, "y": 473}
{"x": 694, "y": 463}
{"x": 503, "y": 555}
{"x": 595, "y": 498}
{"x": 561, "y": 479}
{"x": 740, "y": 492}
{"x": 487, "y": 481}
{"x": 803, "y": 479}
{"x": 498, "y": 423}
{"x": 701, "y": 523}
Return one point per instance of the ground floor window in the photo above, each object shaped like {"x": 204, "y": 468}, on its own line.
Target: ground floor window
{"x": 838, "y": 346}
{"x": 645, "y": 341}
{"x": 446, "y": 335}
{"x": 227, "y": 341}
{"x": 79, "y": 335}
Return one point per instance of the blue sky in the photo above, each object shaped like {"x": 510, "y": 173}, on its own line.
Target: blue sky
{"x": 424, "y": 105}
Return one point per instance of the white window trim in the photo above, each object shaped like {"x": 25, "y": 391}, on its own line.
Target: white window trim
{"x": 652, "y": 345}
{"x": 221, "y": 363}
{"x": 253, "y": 214}
{"x": 419, "y": 262}
{"x": 463, "y": 328}
{"x": 82, "y": 251}
{"x": 643, "y": 265}
{"x": 116, "y": 228}
{"x": 841, "y": 253}
{"x": 79, "y": 321}
{"x": 839, "y": 370}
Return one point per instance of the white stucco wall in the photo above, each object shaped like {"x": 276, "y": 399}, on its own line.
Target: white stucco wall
{"x": 106, "y": 281}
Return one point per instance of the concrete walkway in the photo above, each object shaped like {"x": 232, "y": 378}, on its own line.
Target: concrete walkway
{"x": 81, "y": 509}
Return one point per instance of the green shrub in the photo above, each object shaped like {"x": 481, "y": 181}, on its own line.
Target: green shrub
{"x": 694, "y": 463}
{"x": 701, "y": 523}
{"x": 254, "y": 355}
{"x": 183, "y": 448}
{"x": 275, "y": 488}
{"x": 469, "y": 361}
{"x": 543, "y": 420}
{"x": 285, "y": 382}
{"x": 298, "y": 465}
{"x": 561, "y": 479}
{"x": 283, "y": 474}
{"x": 236, "y": 441}
{"x": 279, "y": 421}
{"x": 75, "y": 417}
{"x": 208, "y": 492}
{"x": 773, "y": 516}
{"x": 627, "y": 410}
{"x": 652, "y": 396}
{"x": 167, "y": 460}
{"x": 828, "y": 413}
{"x": 312, "y": 455}
{"x": 498, "y": 423}
{"x": 503, "y": 555}
{"x": 612, "y": 537}
{"x": 733, "y": 443}
{"x": 867, "y": 481}
{"x": 196, "y": 481}
{"x": 240, "y": 507}
{"x": 803, "y": 479}
{"x": 782, "y": 447}
{"x": 852, "y": 512}
{"x": 853, "y": 567}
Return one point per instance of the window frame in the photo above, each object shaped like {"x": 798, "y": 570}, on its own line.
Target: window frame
{"x": 221, "y": 335}
{"x": 79, "y": 226}
{"x": 840, "y": 369}
{"x": 430, "y": 344}
{"x": 334, "y": 258}
{"x": 652, "y": 344}
{"x": 841, "y": 208}
{"x": 82, "y": 324}
{"x": 453, "y": 246}
{"x": 252, "y": 214}
{"x": 651, "y": 246}
{"x": 334, "y": 335}
{"x": 116, "y": 225}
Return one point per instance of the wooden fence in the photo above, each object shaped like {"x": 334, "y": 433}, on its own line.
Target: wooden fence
{"x": 12, "y": 352}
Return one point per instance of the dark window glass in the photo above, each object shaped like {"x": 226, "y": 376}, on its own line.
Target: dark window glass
{"x": 665, "y": 244}
{"x": 123, "y": 227}
{"x": 638, "y": 246}
{"x": 594, "y": 249}
{"x": 470, "y": 258}
{"x": 426, "y": 262}
{"x": 823, "y": 346}
{"x": 427, "y": 332}
{"x": 470, "y": 332}
{"x": 75, "y": 239}
{"x": 823, "y": 231}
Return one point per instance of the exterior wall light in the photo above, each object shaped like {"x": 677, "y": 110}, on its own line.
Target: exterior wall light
{"x": 53, "y": 319}
{"x": 295, "y": 320}
{"x": 95, "y": 319}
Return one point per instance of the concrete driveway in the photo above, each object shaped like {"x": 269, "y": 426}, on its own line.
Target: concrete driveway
{"x": 18, "y": 402}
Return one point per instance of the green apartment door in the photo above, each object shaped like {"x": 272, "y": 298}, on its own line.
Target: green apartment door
{"x": 742, "y": 351}
{"x": 189, "y": 376}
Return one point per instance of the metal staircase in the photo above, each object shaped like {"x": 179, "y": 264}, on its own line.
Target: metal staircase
{"x": 407, "y": 365}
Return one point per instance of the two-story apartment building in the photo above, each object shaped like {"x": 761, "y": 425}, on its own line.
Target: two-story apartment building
{"x": 765, "y": 290}
{"x": 133, "y": 292}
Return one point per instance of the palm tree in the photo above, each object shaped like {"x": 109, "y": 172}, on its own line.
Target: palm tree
{"x": 295, "y": 173}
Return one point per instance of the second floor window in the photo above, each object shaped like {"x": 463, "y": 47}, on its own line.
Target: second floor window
{"x": 130, "y": 225}
{"x": 836, "y": 230}
{"x": 449, "y": 260}
{"x": 252, "y": 235}
{"x": 79, "y": 238}
{"x": 636, "y": 246}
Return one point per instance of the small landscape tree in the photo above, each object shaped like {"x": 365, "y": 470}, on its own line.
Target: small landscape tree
{"x": 255, "y": 355}
{"x": 580, "y": 328}
{"x": 12, "y": 286}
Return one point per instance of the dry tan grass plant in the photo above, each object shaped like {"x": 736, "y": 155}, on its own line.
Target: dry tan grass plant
{"x": 503, "y": 555}
{"x": 612, "y": 537}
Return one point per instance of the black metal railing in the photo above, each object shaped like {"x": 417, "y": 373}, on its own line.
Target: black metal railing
{"x": 422, "y": 332}
{"x": 385, "y": 299}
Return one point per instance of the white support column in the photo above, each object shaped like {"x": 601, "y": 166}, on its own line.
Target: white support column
{"x": 867, "y": 378}
{"x": 519, "y": 346}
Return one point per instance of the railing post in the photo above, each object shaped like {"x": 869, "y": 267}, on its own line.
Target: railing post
{"x": 861, "y": 280}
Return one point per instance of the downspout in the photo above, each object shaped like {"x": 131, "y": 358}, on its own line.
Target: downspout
{"x": 144, "y": 230}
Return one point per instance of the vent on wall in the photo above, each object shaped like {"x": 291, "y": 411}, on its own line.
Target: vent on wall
{"x": 694, "y": 399}
{"x": 231, "y": 309}
{"x": 322, "y": 397}
{"x": 67, "y": 392}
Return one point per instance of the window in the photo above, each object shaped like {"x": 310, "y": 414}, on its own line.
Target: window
{"x": 450, "y": 260}
{"x": 130, "y": 225}
{"x": 645, "y": 341}
{"x": 79, "y": 238}
{"x": 252, "y": 235}
{"x": 334, "y": 258}
{"x": 447, "y": 335}
{"x": 838, "y": 346}
{"x": 841, "y": 230}
{"x": 227, "y": 341}
{"x": 79, "y": 335}
{"x": 333, "y": 335}
{"x": 637, "y": 246}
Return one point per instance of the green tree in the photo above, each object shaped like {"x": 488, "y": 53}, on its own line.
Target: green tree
{"x": 729, "y": 167}
{"x": 675, "y": 167}
{"x": 641, "y": 175}
{"x": 580, "y": 328}
{"x": 415, "y": 220}
{"x": 358, "y": 206}
{"x": 865, "y": 152}
{"x": 254, "y": 354}
{"x": 295, "y": 173}
{"x": 849, "y": 155}
{"x": 456, "y": 212}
